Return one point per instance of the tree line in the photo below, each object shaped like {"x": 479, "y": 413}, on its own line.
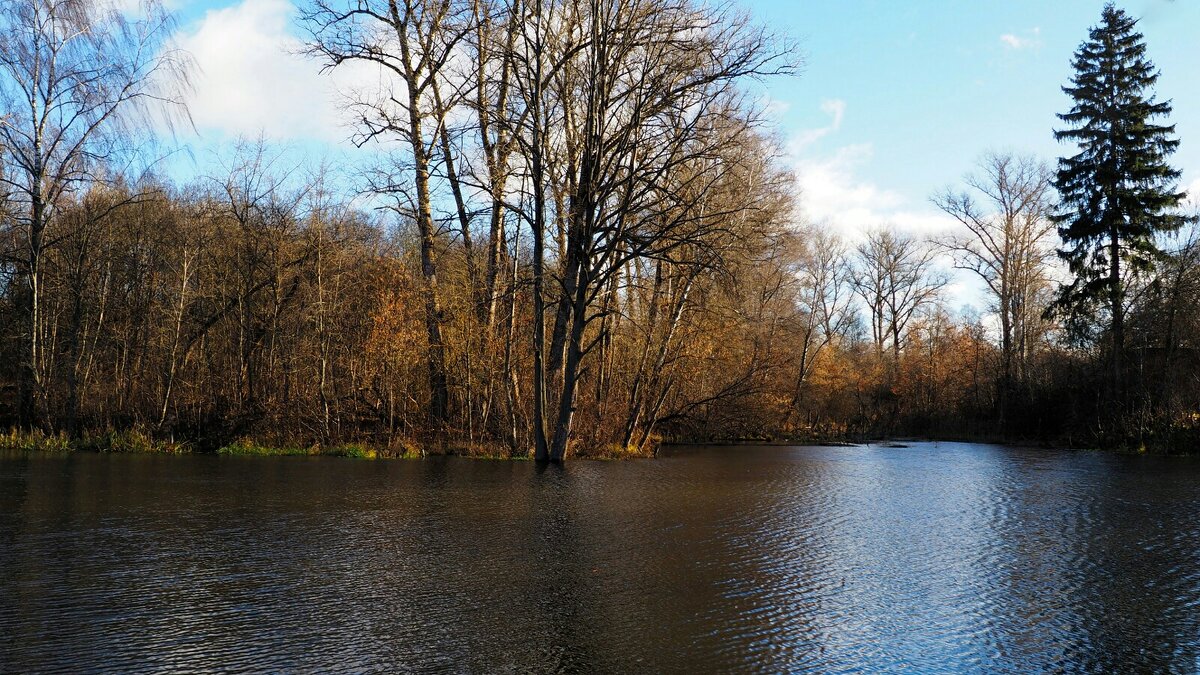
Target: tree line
{"x": 577, "y": 235}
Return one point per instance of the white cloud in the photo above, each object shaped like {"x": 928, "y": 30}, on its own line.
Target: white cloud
{"x": 1014, "y": 41}
{"x": 251, "y": 78}
{"x": 831, "y": 194}
{"x": 1193, "y": 193}
{"x": 834, "y": 196}
{"x": 774, "y": 108}
{"x": 835, "y": 108}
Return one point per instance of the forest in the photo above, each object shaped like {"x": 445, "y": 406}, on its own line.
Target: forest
{"x": 580, "y": 238}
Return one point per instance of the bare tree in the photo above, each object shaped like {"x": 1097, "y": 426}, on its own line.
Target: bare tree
{"x": 411, "y": 41}
{"x": 650, "y": 95}
{"x": 1006, "y": 243}
{"x": 261, "y": 211}
{"x": 497, "y": 25}
{"x": 825, "y": 296}
{"x": 77, "y": 79}
{"x": 895, "y": 277}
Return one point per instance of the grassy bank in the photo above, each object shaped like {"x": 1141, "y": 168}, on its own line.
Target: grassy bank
{"x": 1181, "y": 442}
{"x": 113, "y": 441}
{"x": 15, "y": 440}
{"x": 133, "y": 441}
{"x": 248, "y": 447}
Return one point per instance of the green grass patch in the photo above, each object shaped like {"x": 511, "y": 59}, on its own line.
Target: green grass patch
{"x": 616, "y": 451}
{"x": 249, "y": 448}
{"x": 134, "y": 441}
{"x": 16, "y": 440}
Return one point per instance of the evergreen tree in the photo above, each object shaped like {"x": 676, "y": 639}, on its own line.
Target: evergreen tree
{"x": 1118, "y": 192}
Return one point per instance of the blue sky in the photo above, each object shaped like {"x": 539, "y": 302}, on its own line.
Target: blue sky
{"x": 925, "y": 87}
{"x": 896, "y": 100}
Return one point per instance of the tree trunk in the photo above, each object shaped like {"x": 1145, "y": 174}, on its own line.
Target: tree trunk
{"x": 460, "y": 204}
{"x": 29, "y": 384}
{"x": 571, "y": 371}
{"x": 1118, "y": 317}
{"x": 435, "y": 350}
{"x": 537, "y": 176}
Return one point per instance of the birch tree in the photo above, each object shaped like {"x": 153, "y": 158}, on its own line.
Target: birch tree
{"x": 77, "y": 79}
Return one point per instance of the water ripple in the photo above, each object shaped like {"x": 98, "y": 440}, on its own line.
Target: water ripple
{"x": 931, "y": 558}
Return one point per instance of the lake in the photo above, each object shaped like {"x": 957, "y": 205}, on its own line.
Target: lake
{"x": 937, "y": 557}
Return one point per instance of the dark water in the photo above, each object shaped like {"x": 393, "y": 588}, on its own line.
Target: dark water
{"x": 930, "y": 558}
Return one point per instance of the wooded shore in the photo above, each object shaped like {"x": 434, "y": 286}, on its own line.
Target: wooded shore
{"x": 579, "y": 235}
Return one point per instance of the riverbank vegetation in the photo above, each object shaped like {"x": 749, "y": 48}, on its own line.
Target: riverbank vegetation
{"x": 578, "y": 237}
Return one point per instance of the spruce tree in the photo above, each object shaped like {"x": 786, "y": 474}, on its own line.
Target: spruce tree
{"x": 1118, "y": 192}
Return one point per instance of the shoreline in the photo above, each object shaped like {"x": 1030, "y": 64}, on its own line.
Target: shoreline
{"x": 900, "y": 440}
{"x": 136, "y": 442}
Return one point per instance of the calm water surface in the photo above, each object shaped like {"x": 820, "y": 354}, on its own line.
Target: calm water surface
{"x": 935, "y": 557}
